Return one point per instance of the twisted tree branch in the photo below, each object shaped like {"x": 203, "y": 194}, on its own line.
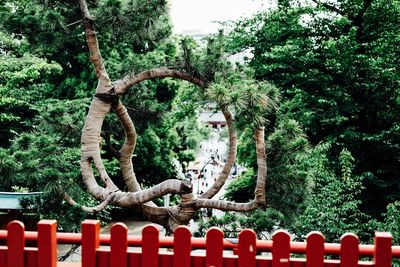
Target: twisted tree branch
{"x": 226, "y": 205}
{"x": 162, "y": 72}
{"x": 91, "y": 210}
{"x": 125, "y": 153}
{"x": 95, "y": 56}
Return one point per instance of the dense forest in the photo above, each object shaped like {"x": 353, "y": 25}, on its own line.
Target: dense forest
{"x": 330, "y": 70}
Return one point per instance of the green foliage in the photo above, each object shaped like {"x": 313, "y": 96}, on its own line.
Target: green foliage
{"x": 334, "y": 207}
{"x": 263, "y": 222}
{"x": 337, "y": 70}
{"x": 391, "y": 221}
{"x": 150, "y": 21}
{"x": 50, "y": 153}
{"x": 242, "y": 188}
{"x": 23, "y": 81}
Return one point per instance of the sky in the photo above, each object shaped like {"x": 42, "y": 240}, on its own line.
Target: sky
{"x": 198, "y": 15}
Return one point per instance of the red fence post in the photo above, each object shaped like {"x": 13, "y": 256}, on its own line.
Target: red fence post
{"x": 103, "y": 257}
{"x": 15, "y": 244}
{"x": 119, "y": 245}
{"x": 47, "y": 243}
{"x": 247, "y": 248}
{"x": 182, "y": 247}
{"x": 150, "y": 246}
{"x": 349, "y": 251}
{"x": 315, "y": 250}
{"x": 280, "y": 249}
{"x": 383, "y": 249}
{"x": 214, "y": 247}
{"x": 90, "y": 242}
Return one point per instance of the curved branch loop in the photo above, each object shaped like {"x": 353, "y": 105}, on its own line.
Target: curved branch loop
{"x": 162, "y": 72}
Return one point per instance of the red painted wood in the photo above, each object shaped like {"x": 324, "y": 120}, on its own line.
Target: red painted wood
{"x": 298, "y": 262}
{"x": 3, "y": 256}
{"x": 90, "y": 242}
{"x": 247, "y": 248}
{"x": 165, "y": 259}
{"x": 230, "y": 261}
{"x": 47, "y": 243}
{"x": 263, "y": 261}
{"x": 315, "y": 249}
{"x": 198, "y": 261}
{"x": 134, "y": 259}
{"x": 15, "y": 244}
{"x": 214, "y": 247}
{"x": 383, "y": 249}
{"x": 45, "y": 254}
{"x": 349, "y": 250}
{"x": 182, "y": 247}
{"x": 199, "y": 243}
{"x": 280, "y": 249}
{"x": 332, "y": 263}
{"x": 103, "y": 257}
{"x": 31, "y": 257}
{"x": 150, "y": 246}
{"x": 119, "y": 245}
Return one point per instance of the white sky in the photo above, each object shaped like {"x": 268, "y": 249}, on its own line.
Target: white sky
{"x": 199, "y": 14}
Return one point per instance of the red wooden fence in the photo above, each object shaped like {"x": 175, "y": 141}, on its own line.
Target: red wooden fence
{"x": 144, "y": 251}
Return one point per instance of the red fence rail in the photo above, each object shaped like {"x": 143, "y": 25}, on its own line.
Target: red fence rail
{"x": 119, "y": 253}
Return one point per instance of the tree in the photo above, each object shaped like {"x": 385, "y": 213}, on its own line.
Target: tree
{"x": 336, "y": 65}
{"x": 107, "y": 98}
{"x": 24, "y": 78}
{"x": 334, "y": 207}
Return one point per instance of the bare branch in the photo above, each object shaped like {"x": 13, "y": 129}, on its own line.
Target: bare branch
{"x": 90, "y": 150}
{"x": 73, "y": 23}
{"x": 125, "y": 153}
{"x": 91, "y": 39}
{"x": 219, "y": 183}
{"x": 172, "y": 186}
{"x": 162, "y": 72}
{"x": 261, "y": 167}
{"x": 226, "y": 205}
{"x": 97, "y": 191}
{"x": 101, "y": 170}
{"x": 91, "y": 210}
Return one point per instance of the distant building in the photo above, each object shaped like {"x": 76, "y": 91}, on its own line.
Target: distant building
{"x": 212, "y": 116}
{"x": 214, "y": 119}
